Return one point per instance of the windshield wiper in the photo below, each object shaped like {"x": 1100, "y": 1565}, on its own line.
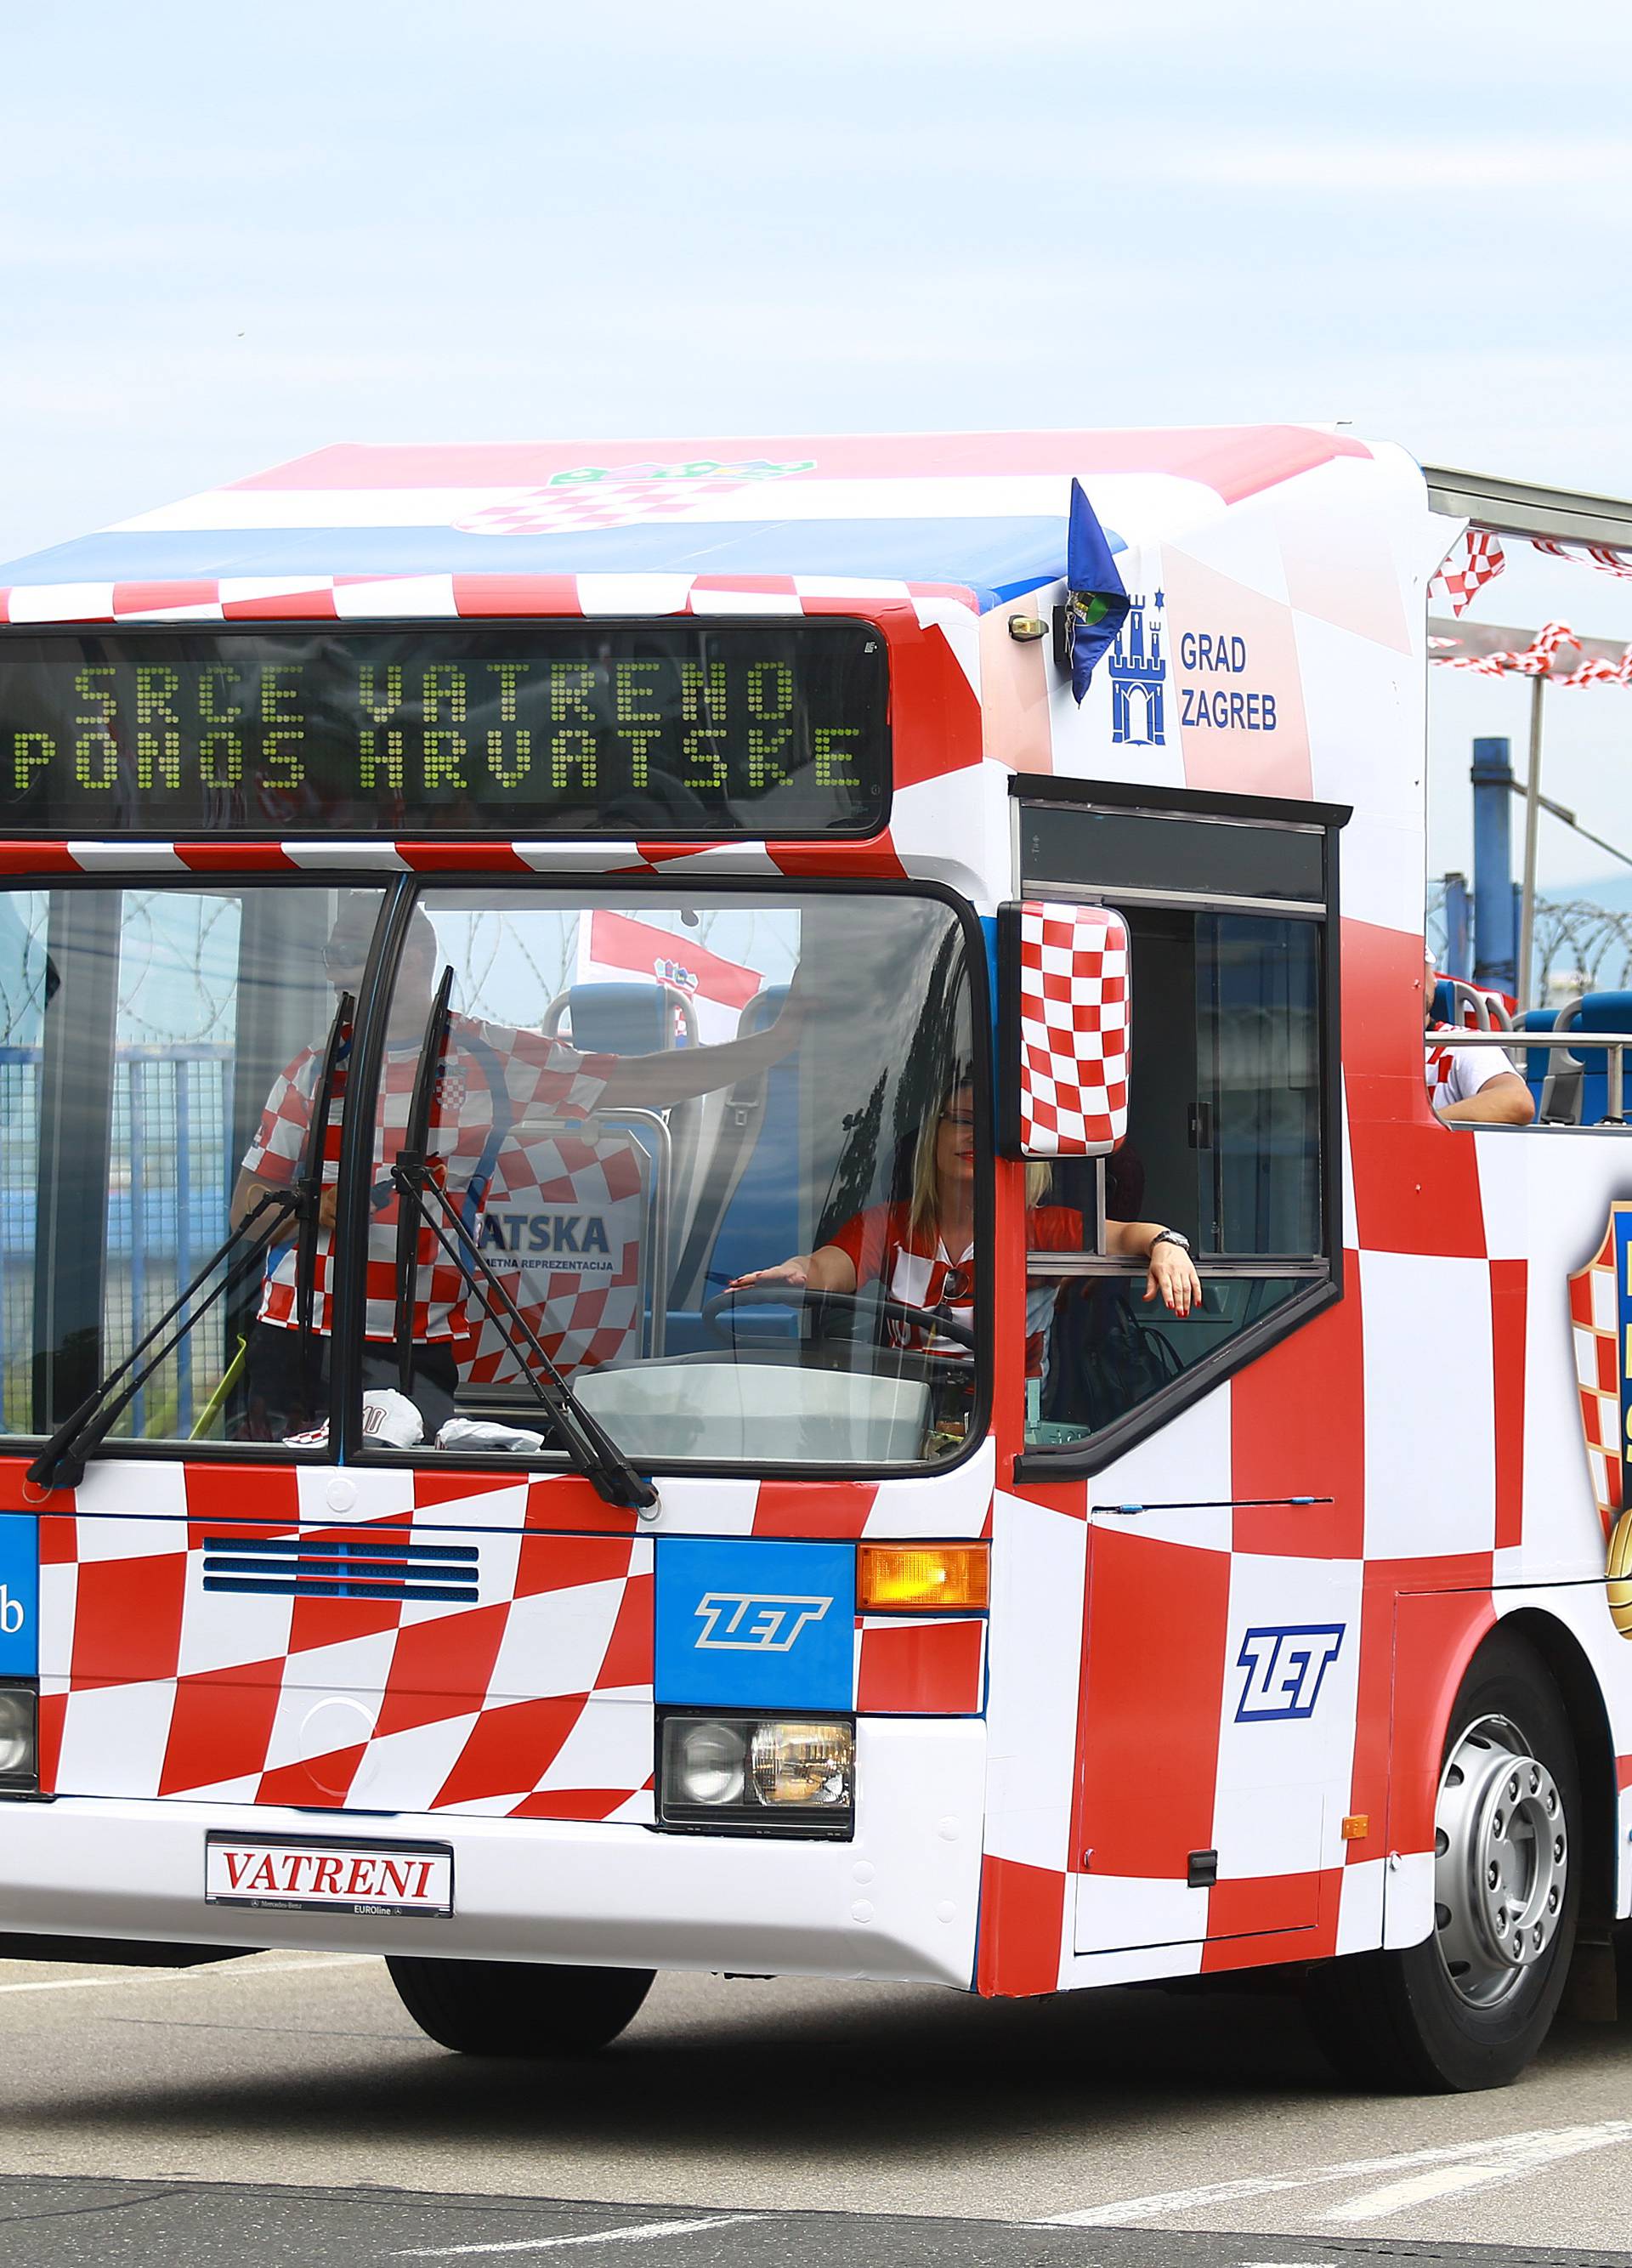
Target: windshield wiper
{"x": 591, "y": 1448}
{"x": 62, "y": 1462}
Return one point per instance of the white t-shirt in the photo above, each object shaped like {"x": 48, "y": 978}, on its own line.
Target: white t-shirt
{"x": 1456, "y": 1074}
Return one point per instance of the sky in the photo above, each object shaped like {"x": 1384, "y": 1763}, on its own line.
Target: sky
{"x": 229, "y": 237}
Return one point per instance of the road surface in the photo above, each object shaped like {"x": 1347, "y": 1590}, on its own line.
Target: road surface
{"x": 285, "y": 2104}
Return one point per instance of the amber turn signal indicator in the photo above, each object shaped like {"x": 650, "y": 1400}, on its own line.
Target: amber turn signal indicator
{"x": 1357, "y": 1826}
{"x": 950, "y": 1576}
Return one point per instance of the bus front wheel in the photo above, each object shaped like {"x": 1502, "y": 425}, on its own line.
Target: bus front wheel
{"x": 518, "y": 2008}
{"x": 1470, "y": 2007}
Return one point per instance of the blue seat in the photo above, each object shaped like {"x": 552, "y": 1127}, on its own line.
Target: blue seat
{"x": 1539, "y": 1061}
{"x": 1601, "y": 1011}
{"x": 621, "y": 1019}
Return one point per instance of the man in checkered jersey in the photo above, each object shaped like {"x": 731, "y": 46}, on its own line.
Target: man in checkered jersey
{"x": 494, "y": 1078}
{"x": 1471, "y": 1086}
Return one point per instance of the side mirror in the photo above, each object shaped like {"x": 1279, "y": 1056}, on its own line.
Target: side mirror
{"x": 1064, "y": 1029}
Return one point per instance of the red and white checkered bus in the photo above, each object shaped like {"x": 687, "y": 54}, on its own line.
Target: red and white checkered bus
{"x": 614, "y": 1062}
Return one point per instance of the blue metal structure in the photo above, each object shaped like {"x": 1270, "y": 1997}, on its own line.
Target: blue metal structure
{"x": 1459, "y": 954}
{"x": 1495, "y": 941}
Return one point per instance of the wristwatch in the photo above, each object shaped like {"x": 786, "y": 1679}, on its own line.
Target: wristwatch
{"x": 1168, "y": 1236}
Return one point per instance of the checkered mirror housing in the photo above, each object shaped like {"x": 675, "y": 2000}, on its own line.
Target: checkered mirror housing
{"x": 1063, "y": 1029}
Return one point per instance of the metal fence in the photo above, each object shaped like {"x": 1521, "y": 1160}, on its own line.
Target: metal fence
{"x": 169, "y": 1179}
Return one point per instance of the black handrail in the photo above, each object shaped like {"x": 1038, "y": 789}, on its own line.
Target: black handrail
{"x": 413, "y": 1156}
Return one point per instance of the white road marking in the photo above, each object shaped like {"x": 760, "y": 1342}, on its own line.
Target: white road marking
{"x": 1163, "y": 2201}
{"x": 1504, "y": 2158}
{"x": 184, "y": 1976}
{"x": 1417, "y": 2189}
{"x": 642, "y": 2233}
{"x": 1498, "y": 2157}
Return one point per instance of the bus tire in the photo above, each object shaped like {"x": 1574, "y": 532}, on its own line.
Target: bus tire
{"x": 1468, "y": 2007}
{"x": 518, "y": 2008}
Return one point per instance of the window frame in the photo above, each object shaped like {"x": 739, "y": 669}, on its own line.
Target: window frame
{"x": 120, "y": 880}
{"x": 357, "y": 1160}
{"x": 399, "y": 895}
{"x": 1323, "y": 1272}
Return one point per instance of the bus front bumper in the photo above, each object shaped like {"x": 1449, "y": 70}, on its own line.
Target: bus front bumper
{"x": 899, "y": 1903}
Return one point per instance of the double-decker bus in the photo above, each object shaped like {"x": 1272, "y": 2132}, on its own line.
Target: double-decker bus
{"x": 480, "y": 929}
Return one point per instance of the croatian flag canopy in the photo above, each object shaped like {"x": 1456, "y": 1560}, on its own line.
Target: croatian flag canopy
{"x": 987, "y": 516}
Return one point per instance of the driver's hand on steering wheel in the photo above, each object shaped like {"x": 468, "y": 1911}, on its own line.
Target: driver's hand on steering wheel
{"x": 796, "y": 1270}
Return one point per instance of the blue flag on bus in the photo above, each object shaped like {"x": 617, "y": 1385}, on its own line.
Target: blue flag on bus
{"x": 1096, "y": 602}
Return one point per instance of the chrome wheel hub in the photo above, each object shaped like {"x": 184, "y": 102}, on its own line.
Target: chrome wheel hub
{"x": 1501, "y": 1861}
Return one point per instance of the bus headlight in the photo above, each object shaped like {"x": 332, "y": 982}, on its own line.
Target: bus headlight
{"x": 808, "y": 1764}
{"x": 705, "y": 1761}
{"x": 19, "y": 1761}
{"x": 764, "y": 1775}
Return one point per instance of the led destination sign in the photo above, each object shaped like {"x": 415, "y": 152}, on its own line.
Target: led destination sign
{"x": 686, "y": 729}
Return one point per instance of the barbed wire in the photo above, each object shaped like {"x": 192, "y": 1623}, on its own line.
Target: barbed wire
{"x": 179, "y": 975}
{"x": 1580, "y": 947}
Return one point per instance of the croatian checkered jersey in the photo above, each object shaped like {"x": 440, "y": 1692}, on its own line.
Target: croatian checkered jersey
{"x": 883, "y": 1245}
{"x": 492, "y": 1079}
{"x": 1456, "y": 1074}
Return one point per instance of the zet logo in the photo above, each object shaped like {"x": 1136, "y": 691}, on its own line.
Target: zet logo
{"x": 753, "y": 1621}
{"x": 750, "y": 1622}
{"x": 1285, "y": 1668}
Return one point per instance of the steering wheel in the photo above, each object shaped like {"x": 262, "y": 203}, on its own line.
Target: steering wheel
{"x": 807, "y": 1295}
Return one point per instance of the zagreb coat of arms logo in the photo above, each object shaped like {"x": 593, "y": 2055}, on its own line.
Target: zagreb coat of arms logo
{"x": 1600, "y": 1318}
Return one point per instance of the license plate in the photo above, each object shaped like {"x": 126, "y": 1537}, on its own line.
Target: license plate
{"x": 333, "y": 1875}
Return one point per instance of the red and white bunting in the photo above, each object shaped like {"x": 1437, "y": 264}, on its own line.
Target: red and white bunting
{"x": 1593, "y": 672}
{"x": 1475, "y": 559}
{"x": 1538, "y": 659}
{"x": 1604, "y": 556}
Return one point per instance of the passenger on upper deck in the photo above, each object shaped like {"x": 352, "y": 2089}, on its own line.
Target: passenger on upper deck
{"x": 921, "y": 1250}
{"x": 1470, "y": 1086}
{"x": 494, "y": 1078}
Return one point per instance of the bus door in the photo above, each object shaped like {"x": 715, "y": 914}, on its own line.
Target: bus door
{"x": 1218, "y": 1669}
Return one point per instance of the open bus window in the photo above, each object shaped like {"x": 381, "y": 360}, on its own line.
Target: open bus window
{"x": 1225, "y": 1138}
{"x": 143, "y": 1032}
{"x": 640, "y": 1100}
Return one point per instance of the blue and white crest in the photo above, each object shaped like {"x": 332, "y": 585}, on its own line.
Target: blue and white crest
{"x": 1138, "y": 674}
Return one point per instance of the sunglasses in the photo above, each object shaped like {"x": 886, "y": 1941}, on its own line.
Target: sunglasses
{"x": 957, "y": 1284}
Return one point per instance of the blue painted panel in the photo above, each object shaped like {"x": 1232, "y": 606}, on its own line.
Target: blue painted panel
{"x": 20, "y": 1595}
{"x": 998, "y": 557}
{"x": 745, "y": 1623}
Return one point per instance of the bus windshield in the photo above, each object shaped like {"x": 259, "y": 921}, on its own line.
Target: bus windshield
{"x": 652, "y": 1120}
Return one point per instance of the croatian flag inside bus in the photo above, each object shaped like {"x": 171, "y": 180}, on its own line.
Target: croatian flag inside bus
{"x": 614, "y": 948}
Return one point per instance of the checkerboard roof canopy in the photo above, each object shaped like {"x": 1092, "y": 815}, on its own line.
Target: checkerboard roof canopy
{"x": 984, "y": 512}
